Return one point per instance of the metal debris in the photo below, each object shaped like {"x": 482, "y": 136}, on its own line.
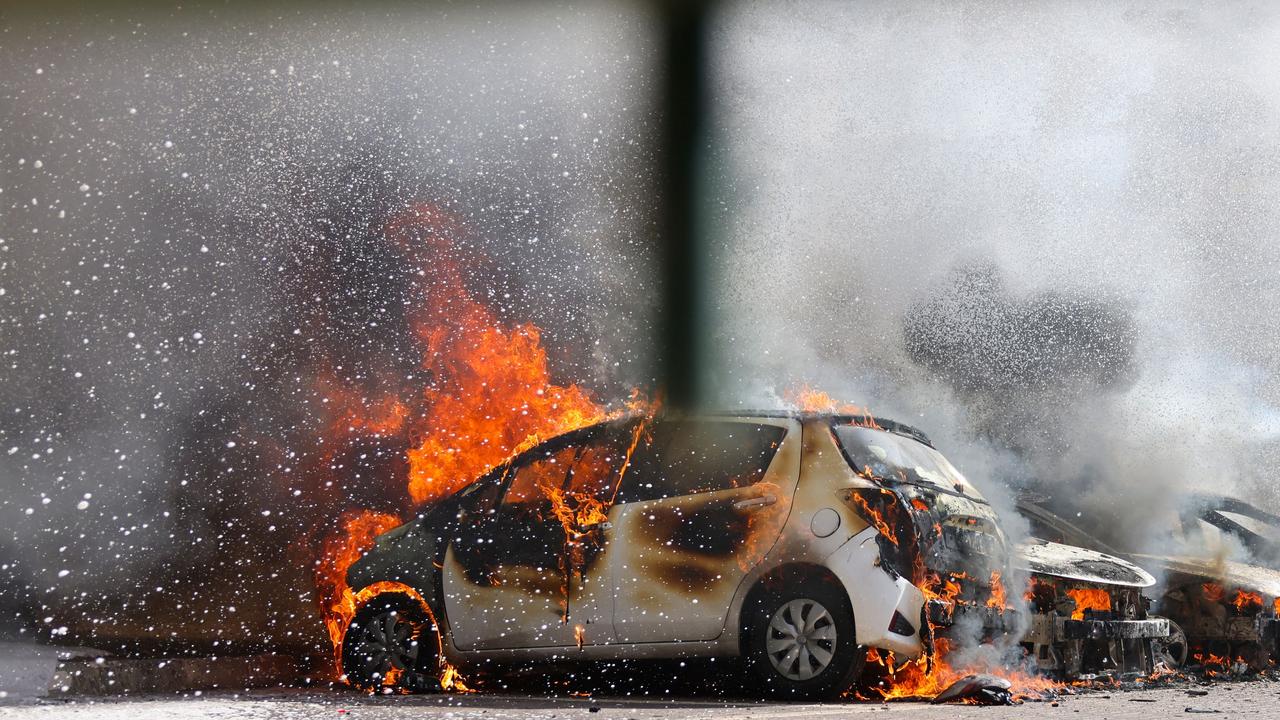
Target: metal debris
{"x": 977, "y": 690}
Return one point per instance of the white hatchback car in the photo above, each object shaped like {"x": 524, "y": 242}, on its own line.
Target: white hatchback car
{"x": 795, "y": 540}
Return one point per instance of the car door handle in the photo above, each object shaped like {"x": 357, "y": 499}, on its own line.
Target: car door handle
{"x": 755, "y": 502}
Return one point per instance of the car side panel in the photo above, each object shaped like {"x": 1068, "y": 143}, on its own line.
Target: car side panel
{"x": 680, "y": 560}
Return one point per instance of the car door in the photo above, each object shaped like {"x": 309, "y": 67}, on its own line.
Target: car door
{"x": 701, "y": 504}
{"x": 534, "y": 572}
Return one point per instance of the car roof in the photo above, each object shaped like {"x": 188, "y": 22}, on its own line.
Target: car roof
{"x": 864, "y": 420}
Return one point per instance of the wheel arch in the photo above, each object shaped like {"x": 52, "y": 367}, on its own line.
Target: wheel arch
{"x": 788, "y": 575}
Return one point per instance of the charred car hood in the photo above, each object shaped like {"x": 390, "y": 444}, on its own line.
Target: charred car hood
{"x": 408, "y": 553}
{"x": 1076, "y": 563}
{"x": 1226, "y": 572}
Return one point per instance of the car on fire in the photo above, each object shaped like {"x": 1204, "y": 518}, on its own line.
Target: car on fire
{"x": 1223, "y": 612}
{"x": 796, "y": 541}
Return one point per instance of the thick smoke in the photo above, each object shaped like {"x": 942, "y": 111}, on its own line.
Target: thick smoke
{"x": 192, "y": 238}
{"x": 1041, "y": 233}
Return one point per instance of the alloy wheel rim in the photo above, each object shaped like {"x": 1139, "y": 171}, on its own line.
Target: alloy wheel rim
{"x": 801, "y": 641}
{"x": 1172, "y": 651}
{"x": 384, "y": 642}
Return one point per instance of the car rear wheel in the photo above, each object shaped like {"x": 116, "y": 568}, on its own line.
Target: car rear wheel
{"x": 389, "y": 645}
{"x": 802, "y": 643}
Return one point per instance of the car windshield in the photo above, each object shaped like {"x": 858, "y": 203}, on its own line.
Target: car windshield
{"x": 893, "y": 458}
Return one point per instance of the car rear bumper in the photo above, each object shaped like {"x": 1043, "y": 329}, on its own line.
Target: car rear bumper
{"x": 1268, "y": 628}
{"x": 887, "y": 608}
{"x": 1047, "y": 629}
{"x": 1068, "y": 629}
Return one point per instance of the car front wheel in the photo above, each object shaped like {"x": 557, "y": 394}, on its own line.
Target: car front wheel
{"x": 802, "y": 643}
{"x": 389, "y": 644}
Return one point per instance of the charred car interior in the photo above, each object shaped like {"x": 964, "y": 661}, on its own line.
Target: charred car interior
{"x": 806, "y": 544}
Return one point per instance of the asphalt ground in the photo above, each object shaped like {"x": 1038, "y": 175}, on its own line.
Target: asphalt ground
{"x": 627, "y": 691}
{"x": 1236, "y": 699}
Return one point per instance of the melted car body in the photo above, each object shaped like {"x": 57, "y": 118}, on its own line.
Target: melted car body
{"x": 1224, "y": 612}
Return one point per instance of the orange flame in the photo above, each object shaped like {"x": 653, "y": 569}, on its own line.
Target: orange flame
{"x": 491, "y": 393}
{"x": 914, "y": 679}
{"x": 763, "y": 526}
{"x": 998, "y": 600}
{"x": 356, "y": 414}
{"x": 874, "y": 516}
{"x": 1213, "y": 592}
{"x": 339, "y": 604}
{"x": 1089, "y": 599}
{"x": 338, "y": 554}
{"x": 1246, "y": 601}
{"x": 810, "y": 399}
{"x": 1208, "y": 658}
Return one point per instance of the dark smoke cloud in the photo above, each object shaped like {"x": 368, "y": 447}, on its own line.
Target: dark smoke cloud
{"x": 983, "y": 341}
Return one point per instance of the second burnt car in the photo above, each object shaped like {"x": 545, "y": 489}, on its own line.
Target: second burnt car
{"x": 1222, "y": 612}
{"x": 796, "y": 541}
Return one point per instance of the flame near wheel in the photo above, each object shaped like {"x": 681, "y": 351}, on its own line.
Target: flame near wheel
{"x": 382, "y": 648}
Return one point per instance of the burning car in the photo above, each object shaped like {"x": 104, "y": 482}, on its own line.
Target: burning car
{"x": 796, "y": 541}
{"x": 1222, "y": 612}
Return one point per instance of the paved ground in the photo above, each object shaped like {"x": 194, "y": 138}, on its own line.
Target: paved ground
{"x": 641, "y": 692}
{"x": 1229, "y": 700}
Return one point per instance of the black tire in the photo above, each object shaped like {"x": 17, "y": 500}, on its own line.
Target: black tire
{"x": 390, "y": 631}
{"x": 822, "y": 659}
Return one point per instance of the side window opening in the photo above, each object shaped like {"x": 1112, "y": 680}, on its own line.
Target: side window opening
{"x": 684, "y": 457}
{"x": 527, "y": 496}
{"x": 568, "y": 482}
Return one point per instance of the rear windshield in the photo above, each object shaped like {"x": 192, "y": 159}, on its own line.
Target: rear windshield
{"x": 891, "y": 458}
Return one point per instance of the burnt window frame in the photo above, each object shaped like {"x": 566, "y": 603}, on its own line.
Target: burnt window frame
{"x": 504, "y": 474}
{"x": 624, "y": 497}
{"x": 891, "y": 483}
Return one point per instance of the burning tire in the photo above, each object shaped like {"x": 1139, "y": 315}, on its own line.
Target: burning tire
{"x": 388, "y": 646}
{"x": 802, "y": 643}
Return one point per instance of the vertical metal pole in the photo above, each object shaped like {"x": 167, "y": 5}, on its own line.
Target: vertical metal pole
{"x": 683, "y": 107}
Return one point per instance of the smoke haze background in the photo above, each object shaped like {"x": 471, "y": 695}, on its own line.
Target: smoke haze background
{"x": 192, "y": 233}
{"x": 1044, "y": 233}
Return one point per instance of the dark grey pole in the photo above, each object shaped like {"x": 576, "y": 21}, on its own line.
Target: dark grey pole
{"x": 683, "y": 138}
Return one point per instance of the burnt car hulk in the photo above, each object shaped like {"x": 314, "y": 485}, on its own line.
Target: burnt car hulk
{"x": 796, "y": 541}
{"x": 1222, "y": 611}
